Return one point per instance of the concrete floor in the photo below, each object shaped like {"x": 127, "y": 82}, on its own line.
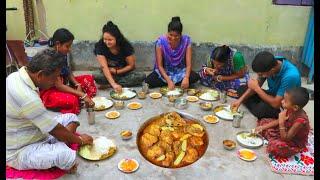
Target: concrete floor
{"x": 216, "y": 163}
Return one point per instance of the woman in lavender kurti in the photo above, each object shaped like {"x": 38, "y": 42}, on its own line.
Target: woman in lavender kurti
{"x": 173, "y": 59}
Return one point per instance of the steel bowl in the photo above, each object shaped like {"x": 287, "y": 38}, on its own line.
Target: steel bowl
{"x": 126, "y": 137}
{"x": 192, "y": 92}
{"x": 181, "y": 103}
{"x": 229, "y": 144}
{"x": 142, "y": 94}
{"x": 206, "y": 106}
{"x": 119, "y": 105}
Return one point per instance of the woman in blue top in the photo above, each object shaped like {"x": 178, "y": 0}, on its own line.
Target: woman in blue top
{"x": 173, "y": 59}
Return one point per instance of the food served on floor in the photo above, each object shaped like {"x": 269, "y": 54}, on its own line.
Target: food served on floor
{"x": 225, "y": 112}
{"x": 172, "y": 141}
{"x": 125, "y": 94}
{"x": 134, "y": 105}
{"x": 112, "y": 114}
{"x": 101, "y": 103}
{"x": 232, "y": 93}
{"x": 119, "y": 105}
{"x": 155, "y": 95}
{"x": 249, "y": 139}
{"x": 101, "y": 148}
{"x": 211, "y": 119}
{"x": 209, "y": 95}
{"x": 126, "y": 134}
{"x": 247, "y": 155}
{"x": 192, "y": 92}
{"x": 172, "y": 98}
{"x": 175, "y": 92}
{"x": 192, "y": 98}
{"x": 128, "y": 165}
{"x": 205, "y": 106}
{"x": 229, "y": 144}
{"x": 142, "y": 95}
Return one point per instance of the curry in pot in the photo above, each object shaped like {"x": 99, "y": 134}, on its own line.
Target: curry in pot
{"x": 172, "y": 141}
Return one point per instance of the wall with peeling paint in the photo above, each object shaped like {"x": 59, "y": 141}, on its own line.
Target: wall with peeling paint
{"x": 250, "y": 22}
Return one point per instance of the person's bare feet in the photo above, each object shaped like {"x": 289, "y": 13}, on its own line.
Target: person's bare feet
{"x": 73, "y": 169}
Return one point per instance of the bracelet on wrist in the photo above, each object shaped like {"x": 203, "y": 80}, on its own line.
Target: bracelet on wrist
{"x": 282, "y": 128}
{"x": 219, "y": 78}
{"x": 84, "y": 96}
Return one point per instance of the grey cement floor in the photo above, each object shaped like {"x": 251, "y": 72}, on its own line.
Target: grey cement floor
{"x": 216, "y": 163}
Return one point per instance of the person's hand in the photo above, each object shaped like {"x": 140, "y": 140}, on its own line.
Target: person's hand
{"x": 257, "y": 130}
{"x": 215, "y": 78}
{"x": 88, "y": 101}
{"x": 112, "y": 70}
{"x": 253, "y": 84}
{"x": 117, "y": 88}
{"x": 211, "y": 71}
{"x": 283, "y": 117}
{"x": 171, "y": 85}
{"x": 235, "y": 105}
{"x": 185, "y": 83}
{"x": 86, "y": 139}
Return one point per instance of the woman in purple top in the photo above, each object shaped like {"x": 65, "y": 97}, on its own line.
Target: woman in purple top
{"x": 173, "y": 59}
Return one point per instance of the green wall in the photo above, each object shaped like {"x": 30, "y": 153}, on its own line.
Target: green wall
{"x": 252, "y": 22}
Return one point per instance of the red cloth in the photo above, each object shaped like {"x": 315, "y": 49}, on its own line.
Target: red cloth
{"x": 52, "y": 173}
{"x": 87, "y": 84}
{"x": 66, "y": 102}
{"x": 278, "y": 147}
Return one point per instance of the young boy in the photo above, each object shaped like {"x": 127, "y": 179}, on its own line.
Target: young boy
{"x": 288, "y": 134}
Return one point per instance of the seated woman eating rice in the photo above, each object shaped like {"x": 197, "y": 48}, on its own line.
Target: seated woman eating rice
{"x": 65, "y": 96}
{"x": 225, "y": 70}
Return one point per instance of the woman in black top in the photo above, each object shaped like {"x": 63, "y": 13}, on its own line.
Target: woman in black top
{"x": 116, "y": 57}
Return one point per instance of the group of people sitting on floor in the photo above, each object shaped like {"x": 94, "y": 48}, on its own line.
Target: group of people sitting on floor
{"x": 35, "y": 140}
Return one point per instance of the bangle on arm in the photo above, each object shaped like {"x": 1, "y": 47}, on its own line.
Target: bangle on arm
{"x": 219, "y": 78}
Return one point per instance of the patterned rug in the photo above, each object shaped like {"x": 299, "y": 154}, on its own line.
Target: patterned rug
{"x": 301, "y": 163}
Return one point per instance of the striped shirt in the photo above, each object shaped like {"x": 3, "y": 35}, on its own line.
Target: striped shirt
{"x": 27, "y": 120}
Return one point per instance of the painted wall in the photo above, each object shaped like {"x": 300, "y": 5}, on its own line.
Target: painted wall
{"x": 253, "y": 22}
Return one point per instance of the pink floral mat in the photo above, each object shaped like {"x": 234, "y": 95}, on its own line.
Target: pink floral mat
{"x": 301, "y": 163}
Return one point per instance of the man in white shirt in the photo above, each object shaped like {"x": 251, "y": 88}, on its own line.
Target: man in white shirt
{"x": 34, "y": 140}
